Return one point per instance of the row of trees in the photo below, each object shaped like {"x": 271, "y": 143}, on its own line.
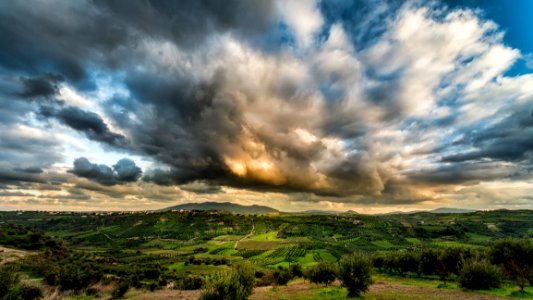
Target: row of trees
{"x": 354, "y": 271}
{"x": 505, "y": 259}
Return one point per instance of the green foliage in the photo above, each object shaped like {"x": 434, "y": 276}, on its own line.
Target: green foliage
{"x": 282, "y": 276}
{"x": 322, "y": 273}
{"x": 479, "y": 275}
{"x": 355, "y": 272}
{"x": 12, "y": 289}
{"x": 296, "y": 270}
{"x": 26, "y": 238}
{"x": 450, "y": 260}
{"x": 75, "y": 275}
{"x": 238, "y": 284}
{"x": 190, "y": 282}
{"x": 121, "y": 289}
{"x": 150, "y": 249}
{"x": 429, "y": 259}
{"x": 516, "y": 258}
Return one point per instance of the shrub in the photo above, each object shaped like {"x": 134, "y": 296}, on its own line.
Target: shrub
{"x": 323, "y": 273}
{"x": 266, "y": 280}
{"x": 355, "y": 272}
{"x": 238, "y": 284}
{"x": 28, "y": 292}
{"x": 11, "y": 288}
{"x": 191, "y": 282}
{"x": 296, "y": 270}
{"x": 378, "y": 261}
{"x": 122, "y": 288}
{"x": 479, "y": 275}
{"x": 282, "y": 276}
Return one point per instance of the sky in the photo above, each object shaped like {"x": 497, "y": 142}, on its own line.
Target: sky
{"x": 366, "y": 105}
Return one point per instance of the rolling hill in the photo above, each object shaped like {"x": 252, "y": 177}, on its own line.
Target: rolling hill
{"x": 224, "y": 206}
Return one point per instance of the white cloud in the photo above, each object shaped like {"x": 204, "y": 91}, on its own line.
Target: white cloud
{"x": 304, "y": 18}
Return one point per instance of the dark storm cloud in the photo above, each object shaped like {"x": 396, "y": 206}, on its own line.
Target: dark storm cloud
{"x": 65, "y": 37}
{"x": 85, "y": 122}
{"x": 126, "y": 170}
{"x": 123, "y": 171}
{"x": 464, "y": 173}
{"x": 189, "y": 23}
{"x": 31, "y": 170}
{"x": 100, "y": 173}
{"x": 17, "y": 177}
{"x": 508, "y": 140}
{"x": 199, "y": 187}
{"x": 42, "y": 86}
{"x": 61, "y": 36}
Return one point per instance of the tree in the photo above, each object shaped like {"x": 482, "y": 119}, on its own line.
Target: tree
{"x": 238, "y": 284}
{"x": 515, "y": 256}
{"x": 296, "y": 270}
{"x": 407, "y": 261}
{"x": 323, "y": 273}
{"x": 355, "y": 272}
{"x": 449, "y": 262}
{"x": 479, "y": 275}
{"x": 282, "y": 276}
{"x": 428, "y": 262}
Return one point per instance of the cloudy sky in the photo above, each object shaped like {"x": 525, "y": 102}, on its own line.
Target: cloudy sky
{"x": 370, "y": 105}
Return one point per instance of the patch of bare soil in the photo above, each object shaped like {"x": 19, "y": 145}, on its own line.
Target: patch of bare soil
{"x": 299, "y": 288}
{"x": 8, "y": 255}
{"x": 163, "y": 295}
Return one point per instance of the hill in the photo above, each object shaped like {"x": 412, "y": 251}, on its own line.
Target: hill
{"x": 224, "y": 206}
{"x": 451, "y": 210}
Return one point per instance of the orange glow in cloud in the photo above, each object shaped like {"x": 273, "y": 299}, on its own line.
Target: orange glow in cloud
{"x": 236, "y": 167}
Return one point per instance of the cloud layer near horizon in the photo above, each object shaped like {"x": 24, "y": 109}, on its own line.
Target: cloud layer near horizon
{"x": 301, "y": 103}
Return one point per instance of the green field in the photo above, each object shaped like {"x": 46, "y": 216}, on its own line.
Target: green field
{"x": 178, "y": 245}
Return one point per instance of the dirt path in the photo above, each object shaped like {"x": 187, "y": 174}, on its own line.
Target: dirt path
{"x": 245, "y": 237}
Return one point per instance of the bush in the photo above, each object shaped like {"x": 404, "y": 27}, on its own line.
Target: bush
{"x": 479, "y": 275}
{"x": 191, "y": 282}
{"x": 296, "y": 270}
{"x": 266, "y": 280}
{"x": 237, "y": 285}
{"x": 28, "y": 292}
{"x": 355, "y": 272}
{"x": 121, "y": 289}
{"x": 11, "y": 288}
{"x": 282, "y": 276}
{"x": 323, "y": 273}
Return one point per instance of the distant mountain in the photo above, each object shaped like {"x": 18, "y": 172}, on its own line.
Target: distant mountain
{"x": 451, "y": 210}
{"x": 318, "y": 212}
{"x": 224, "y": 206}
{"x": 440, "y": 210}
